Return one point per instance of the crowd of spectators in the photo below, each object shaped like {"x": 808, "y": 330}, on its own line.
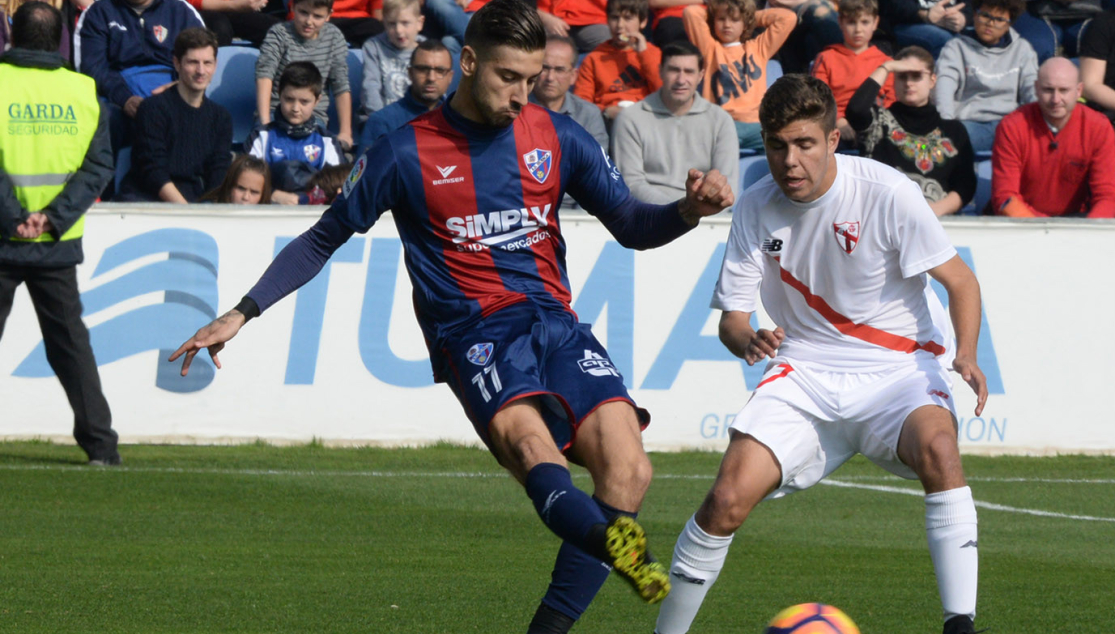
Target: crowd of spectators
{"x": 659, "y": 83}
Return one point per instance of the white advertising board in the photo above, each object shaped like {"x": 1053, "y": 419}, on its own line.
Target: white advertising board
{"x": 343, "y": 360}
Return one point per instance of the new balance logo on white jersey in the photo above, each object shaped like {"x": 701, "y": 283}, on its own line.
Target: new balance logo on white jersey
{"x": 497, "y": 226}
{"x": 597, "y": 365}
{"x": 771, "y": 245}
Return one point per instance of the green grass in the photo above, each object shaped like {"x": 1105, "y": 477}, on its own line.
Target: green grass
{"x": 256, "y": 538}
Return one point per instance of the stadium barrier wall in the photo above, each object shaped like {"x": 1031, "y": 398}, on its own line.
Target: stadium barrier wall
{"x": 343, "y": 361}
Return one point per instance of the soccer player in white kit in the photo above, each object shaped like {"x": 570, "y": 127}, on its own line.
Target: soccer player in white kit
{"x": 840, "y": 250}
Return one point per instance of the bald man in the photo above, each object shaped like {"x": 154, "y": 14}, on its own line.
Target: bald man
{"x": 1054, "y": 157}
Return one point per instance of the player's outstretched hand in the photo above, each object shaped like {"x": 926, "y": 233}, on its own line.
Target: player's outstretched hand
{"x": 211, "y": 337}
{"x": 764, "y": 344}
{"x": 705, "y": 194}
{"x": 973, "y": 376}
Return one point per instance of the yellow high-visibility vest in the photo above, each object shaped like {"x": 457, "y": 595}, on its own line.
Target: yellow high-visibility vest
{"x": 47, "y": 121}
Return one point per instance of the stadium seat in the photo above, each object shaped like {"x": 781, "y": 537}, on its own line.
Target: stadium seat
{"x": 774, "y": 71}
{"x": 751, "y": 169}
{"x": 234, "y": 87}
{"x": 123, "y": 165}
{"x": 983, "y": 189}
{"x": 355, "y": 83}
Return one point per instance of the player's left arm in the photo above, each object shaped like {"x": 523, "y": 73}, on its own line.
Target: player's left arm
{"x": 964, "y": 308}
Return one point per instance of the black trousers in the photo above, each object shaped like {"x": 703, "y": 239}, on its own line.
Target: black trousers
{"x": 57, "y": 302}
{"x": 246, "y": 25}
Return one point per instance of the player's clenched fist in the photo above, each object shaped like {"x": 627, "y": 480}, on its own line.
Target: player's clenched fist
{"x": 764, "y": 344}
{"x": 211, "y": 337}
{"x": 705, "y": 194}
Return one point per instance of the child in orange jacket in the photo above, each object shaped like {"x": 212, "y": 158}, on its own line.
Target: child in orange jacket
{"x": 624, "y": 69}
{"x": 737, "y": 63}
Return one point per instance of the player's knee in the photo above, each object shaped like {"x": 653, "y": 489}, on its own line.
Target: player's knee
{"x": 725, "y": 510}
{"x": 632, "y": 475}
{"x": 939, "y": 458}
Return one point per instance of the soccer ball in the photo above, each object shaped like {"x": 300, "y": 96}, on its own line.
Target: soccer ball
{"x": 812, "y": 618}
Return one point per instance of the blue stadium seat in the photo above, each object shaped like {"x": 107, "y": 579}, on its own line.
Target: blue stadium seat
{"x": 983, "y": 188}
{"x": 234, "y": 87}
{"x": 751, "y": 169}
{"x": 774, "y": 71}
{"x": 123, "y": 165}
{"x": 355, "y": 84}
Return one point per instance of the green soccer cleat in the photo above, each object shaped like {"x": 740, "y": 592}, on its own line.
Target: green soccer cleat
{"x": 626, "y": 543}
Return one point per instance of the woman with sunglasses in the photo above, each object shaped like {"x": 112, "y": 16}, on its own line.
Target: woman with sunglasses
{"x": 911, "y": 136}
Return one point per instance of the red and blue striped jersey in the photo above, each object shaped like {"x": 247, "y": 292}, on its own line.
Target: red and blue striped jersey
{"x": 476, "y": 208}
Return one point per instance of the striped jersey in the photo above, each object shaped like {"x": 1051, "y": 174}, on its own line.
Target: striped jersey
{"x": 476, "y": 208}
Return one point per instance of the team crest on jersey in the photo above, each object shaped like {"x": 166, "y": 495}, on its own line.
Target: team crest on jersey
{"x": 847, "y": 235}
{"x": 160, "y": 32}
{"x": 354, "y": 175}
{"x": 312, "y": 152}
{"x": 538, "y": 164}
{"x": 480, "y": 353}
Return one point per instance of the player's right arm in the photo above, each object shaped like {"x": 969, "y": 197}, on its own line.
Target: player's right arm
{"x": 745, "y": 342}
{"x": 372, "y": 188}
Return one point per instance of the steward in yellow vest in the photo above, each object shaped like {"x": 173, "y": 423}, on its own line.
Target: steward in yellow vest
{"x": 55, "y": 159}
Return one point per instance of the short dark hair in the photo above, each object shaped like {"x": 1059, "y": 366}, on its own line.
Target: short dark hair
{"x": 641, "y": 8}
{"x": 855, "y": 8}
{"x": 431, "y": 45}
{"x": 795, "y": 97}
{"x": 917, "y": 53}
{"x": 195, "y": 37}
{"x": 682, "y": 48}
{"x": 567, "y": 41}
{"x": 315, "y": 4}
{"x": 37, "y": 26}
{"x": 302, "y": 75}
{"x": 1012, "y": 7}
{"x": 511, "y": 23}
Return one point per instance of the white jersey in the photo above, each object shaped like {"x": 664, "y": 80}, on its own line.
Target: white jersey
{"x": 844, "y": 275}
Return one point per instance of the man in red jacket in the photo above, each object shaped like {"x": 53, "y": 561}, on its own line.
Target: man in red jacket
{"x": 1052, "y": 158}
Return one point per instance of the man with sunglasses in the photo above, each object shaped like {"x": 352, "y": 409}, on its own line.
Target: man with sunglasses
{"x": 431, "y": 73}
{"x": 986, "y": 72}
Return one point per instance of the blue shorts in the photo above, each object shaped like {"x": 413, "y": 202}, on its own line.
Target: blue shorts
{"x": 526, "y": 350}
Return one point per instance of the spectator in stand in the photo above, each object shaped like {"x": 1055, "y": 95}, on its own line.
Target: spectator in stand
{"x": 929, "y": 24}
{"x": 667, "y": 24}
{"x": 911, "y": 136}
{"x": 844, "y": 67}
{"x": 447, "y": 21}
{"x": 182, "y": 138}
{"x": 1097, "y": 63}
{"x": 358, "y": 20}
{"x": 1055, "y": 26}
{"x": 387, "y": 56}
{"x": 658, "y": 140}
{"x": 1053, "y": 158}
{"x": 624, "y": 69}
{"x": 326, "y": 185}
{"x": 986, "y": 72}
{"x": 818, "y": 27}
{"x": 5, "y": 32}
{"x": 294, "y": 145}
{"x": 737, "y": 62}
{"x": 309, "y": 37}
{"x": 586, "y": 21}
{"x": 127, "y": 46}
{"x": 431, "y": 72}
{"x": 248, "y": 182}
{"x": 230, "y": 19}
{"x": 551, "y": 91}
{"x": 8, "y": 9}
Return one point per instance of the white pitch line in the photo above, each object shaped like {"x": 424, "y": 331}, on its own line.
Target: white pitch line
{"x": 499, "y": 474}
{"x": 997, "y": 479}
{"x": 986, "y": 505}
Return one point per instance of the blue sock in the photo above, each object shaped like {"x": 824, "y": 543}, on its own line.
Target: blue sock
{"x": 566, "y": 510}
{"x": 578, "y": 576}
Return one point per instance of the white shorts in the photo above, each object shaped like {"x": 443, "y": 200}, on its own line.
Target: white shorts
{"x": 813, "y": 421}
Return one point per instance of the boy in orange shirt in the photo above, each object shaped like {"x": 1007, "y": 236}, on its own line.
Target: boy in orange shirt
{"x": 737, "y": 63}
{"x": 844, "y": 67}
{"x": 624, "y": 69}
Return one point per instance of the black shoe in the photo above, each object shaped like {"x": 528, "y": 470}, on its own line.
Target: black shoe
{"x": 961, "y": 625}
{"x": 107, "y": 461}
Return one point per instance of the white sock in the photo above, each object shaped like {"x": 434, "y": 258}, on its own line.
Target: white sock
{"x": 950, "y": 526}
{"x": 698, "y": 558}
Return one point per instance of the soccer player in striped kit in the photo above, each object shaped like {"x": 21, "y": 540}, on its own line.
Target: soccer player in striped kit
{"x": 840, "y": 250}
{"x": 474, "y": 188}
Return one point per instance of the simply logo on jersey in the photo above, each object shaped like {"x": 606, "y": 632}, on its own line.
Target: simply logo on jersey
{"x": 479, "y": 353}
{"x": 847, "y": 235}
{"x": 538, "y": 164}
{"x": 597, "y": 365}
{"x": 497, "y": 226}
{"x": 355, "y": 174}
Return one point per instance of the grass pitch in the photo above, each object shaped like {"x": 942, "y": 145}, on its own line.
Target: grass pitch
{"x": 311, "y": 539}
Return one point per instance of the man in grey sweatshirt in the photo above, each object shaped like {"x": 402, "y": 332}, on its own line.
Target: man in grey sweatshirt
{"x": 657, "y": 140}
{"x": 986, "y": 72}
